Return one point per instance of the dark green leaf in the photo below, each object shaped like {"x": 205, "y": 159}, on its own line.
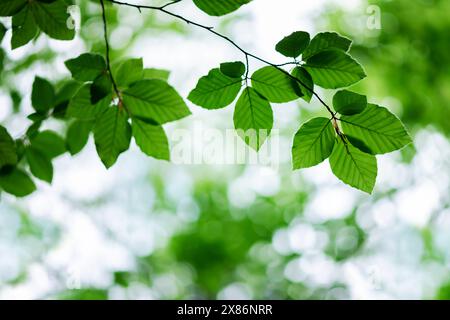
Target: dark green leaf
{"x": 17, "y": 182}
{"x": 2, "y": 31}
{"x": 156, "y": 100}
{"x": 40, "y": 165}
{"x": 354, "y": 167}
{"x": 78, "y": 136}
{"x": 219, "y": 7}
{"x": 52, "y": 19}
{"x": 151, "y": 139}
{"x": 86, "y": 67}
{"x": 253, "y": 118}
{"x": 81, "y": 107}
{"x": 275, "y": 85}
{"x": 101, "y": 88}
{"x": 359, "y": 144}
{"x": 24, "y": 28}
{"x": 233, "y": 69}
{"x": 43, "y": 95}
{"x": 216, "y": 90}
{"x": 333, "y": 69}
{"x": 325, "y": 41}
{"x": 8, "y": 155}
{"x": 49, "y": 143}
{"x": 313, "y": 143}
{"x": 293, "y": 45}
{"x": 112, "y": 135}
{"x": 11, "y": 7}
{"x": 378, "y": 128}
{"x": 349, "y": 103}
{"x": 305, "y": 83}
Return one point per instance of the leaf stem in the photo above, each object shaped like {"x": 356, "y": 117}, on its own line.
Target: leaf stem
{"x": 229, "y": 40}
{"x": 108, "y": 61}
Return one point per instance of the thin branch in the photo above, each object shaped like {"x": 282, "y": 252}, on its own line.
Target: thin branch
{"x": 229, "y": 40}
{"x": 108, "y": 62}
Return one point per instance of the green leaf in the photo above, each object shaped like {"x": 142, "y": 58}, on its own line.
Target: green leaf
{"x": 11, "y": 7}
{"x": 49, "y": 143}
{"x": 326, "y": 41}
{"x": 24, "y": 28}
{"x": 101, "y": 88}
{"x": 253, "y": 112}
{"x": 17, "y": 182}
{"x": 2, "y": 31}
{"x": 354, "y": 167}
{"x": 359, "y": 144}
{"x": 305, "y": 84}
{"x": 43, "y": 95}
{"x": 66, "y": 92}
{"x": 8, "y": 155}
{"x": 293, "y": 45}
{"x": 215, "y": 91}
{"x": 219, "y": 7}
{"x": 333, "y": 69}
{"x": 275, "y": 85}
{"x": 152, "y": 73}
{"x": 52, "y": 19}
{"x": 349, "y": 103}
{"x": 112, "y": 135}
{"x": 129, "y": 71}
{"x": 378, "y": 128}
{"x": 40, "y": 165}
{"x": 81, "y": 107}
{"x": 233, "y": 69}
{"x": 313, "y": 143}
{"x": 86, "y": 67}
{"x": 78, "y": 136}
{"x": 151, "y": 139}
{"x": 155, "y": 100}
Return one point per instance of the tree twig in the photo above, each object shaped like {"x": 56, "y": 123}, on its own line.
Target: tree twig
{"x": 108, "y": 61}
{"x": 229, "y": 40}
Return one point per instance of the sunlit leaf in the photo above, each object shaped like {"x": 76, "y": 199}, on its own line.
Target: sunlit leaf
{"x": 253, "y": 118}
{"x": 333, "y": 69}
{"x": 151, "y": 139}
{"x": 275, "y": 85}
{"x": 216, "y": 90}
{"x": 353, "y": 167}
{"x": 313, "y": 143}
{"x": 378, "y": 128}
{"x": 219, "y": 7}
{"x": 155, "y": 100}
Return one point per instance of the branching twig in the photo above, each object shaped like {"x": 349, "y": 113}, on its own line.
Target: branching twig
{"x": 108, "y": 62}
{"x": 224, "y": 37}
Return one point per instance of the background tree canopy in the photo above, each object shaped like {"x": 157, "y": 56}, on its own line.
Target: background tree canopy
{"x": 131, "y": 76}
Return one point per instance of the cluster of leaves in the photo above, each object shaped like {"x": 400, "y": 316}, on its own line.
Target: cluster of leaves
{"x": 124, "y": 100}
{"x": 351, "y": 141}
{"x": 30, "y": 17}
